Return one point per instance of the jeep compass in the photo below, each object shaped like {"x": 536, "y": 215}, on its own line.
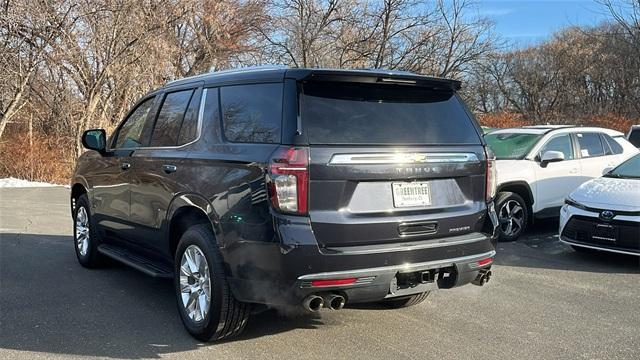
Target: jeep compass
{"x": 310, "y": 188}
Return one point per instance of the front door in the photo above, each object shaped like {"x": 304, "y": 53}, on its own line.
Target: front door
{"x": 558, "y": 179}
{"x": 111, "y": 182}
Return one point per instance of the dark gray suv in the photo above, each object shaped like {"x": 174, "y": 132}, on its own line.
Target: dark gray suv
{"x": 290, "y": 187}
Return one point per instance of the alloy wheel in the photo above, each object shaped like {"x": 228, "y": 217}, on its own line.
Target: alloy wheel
{"x": 511, "y": 216}
{"x": 82, "y": 231}
{"x": 195, "y": 283}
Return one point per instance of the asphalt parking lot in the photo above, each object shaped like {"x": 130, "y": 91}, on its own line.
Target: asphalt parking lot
{"x": 544, "y": 302}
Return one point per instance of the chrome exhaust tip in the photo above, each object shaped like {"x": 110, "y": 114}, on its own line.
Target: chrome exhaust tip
{"x": 313, "y": 303}
{"x": 336, "y": 302}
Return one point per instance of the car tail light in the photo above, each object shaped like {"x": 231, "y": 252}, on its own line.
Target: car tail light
{"x": 491, "y": 181}
{"x": 484, "y": 262}
{"x": 288, "y": 180}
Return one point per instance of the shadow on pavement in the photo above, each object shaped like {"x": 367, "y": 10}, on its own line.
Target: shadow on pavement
{"x": 540, "y": 248}
{"x": 50, "y": 304}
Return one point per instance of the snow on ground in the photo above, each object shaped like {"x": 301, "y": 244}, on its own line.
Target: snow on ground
{"x": 20, "y": 183}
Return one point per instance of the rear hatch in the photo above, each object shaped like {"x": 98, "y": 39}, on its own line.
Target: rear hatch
{"x": 390, "y": 162}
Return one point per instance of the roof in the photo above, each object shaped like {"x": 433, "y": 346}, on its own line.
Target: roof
{"x": 544, "y": 129}
{"x": 278, "y": 73}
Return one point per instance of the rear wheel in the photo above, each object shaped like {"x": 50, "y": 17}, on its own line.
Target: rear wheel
{"x": 513, "y": 215}
{"x": 406, "y": 301}
{"x": 207, "y": 307}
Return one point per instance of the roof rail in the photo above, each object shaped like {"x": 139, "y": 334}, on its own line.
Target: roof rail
{"x": 230, "y": 71}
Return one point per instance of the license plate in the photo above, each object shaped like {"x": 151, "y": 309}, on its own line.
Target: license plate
{"x": 411, "y": 194}
{"x": 605, "y": 232}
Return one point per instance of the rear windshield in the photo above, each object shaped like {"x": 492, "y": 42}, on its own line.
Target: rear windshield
{"x": 356, "y": 113}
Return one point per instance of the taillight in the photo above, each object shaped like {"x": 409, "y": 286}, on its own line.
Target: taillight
{"x": 288, "y": 180}
{"x": 491, "y": 181}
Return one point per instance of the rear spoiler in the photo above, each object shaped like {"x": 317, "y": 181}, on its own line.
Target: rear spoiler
{"x": 374, "y": 76}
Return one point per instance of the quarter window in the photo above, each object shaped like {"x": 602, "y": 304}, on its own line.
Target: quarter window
{"x": 612, "y": 144}
{"x": 170, "y": 118}
{"x": 562, "y": 144}
{"x": 590, "y": 145}
{"x": 252, "y": 113}
{"x": 130, "y": 133}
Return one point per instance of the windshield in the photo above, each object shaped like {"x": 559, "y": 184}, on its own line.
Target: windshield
{"x": 511, "y": 145}
{"x": 358, "y": 113}
{"x": 629, "y": 169}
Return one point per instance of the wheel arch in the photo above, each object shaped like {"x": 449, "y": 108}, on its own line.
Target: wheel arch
{"x": 78, "y": 189}
{"x": 523, "y": 189}
{"x": 185, "y": 211}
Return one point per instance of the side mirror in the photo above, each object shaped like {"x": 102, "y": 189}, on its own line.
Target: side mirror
{"x": 95, "y": 139}
{"x": 607, "y": 170}
{"x": 551, "y": 156}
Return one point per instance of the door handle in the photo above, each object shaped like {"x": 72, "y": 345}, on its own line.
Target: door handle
{"x": 573, "y": 171}
{"x": 125, "y": 166}
{"x": 169, "y": 168}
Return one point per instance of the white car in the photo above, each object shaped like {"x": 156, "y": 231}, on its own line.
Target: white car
{"x": 604, "y": 213}
{"x": 538, "y": 166}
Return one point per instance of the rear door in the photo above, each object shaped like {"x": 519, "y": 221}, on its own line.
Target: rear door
{"x": 593, "y": 154}
{"x": 390, "y": 163}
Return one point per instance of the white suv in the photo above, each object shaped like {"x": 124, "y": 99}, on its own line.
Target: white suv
{"x": 538, "y": 166}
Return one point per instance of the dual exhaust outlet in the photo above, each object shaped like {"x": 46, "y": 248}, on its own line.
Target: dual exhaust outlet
{"x": 483, "y": 277}
{"x": 314, "y": 303}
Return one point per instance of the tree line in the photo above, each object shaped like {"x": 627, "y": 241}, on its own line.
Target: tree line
{"x": 69, "y": 65}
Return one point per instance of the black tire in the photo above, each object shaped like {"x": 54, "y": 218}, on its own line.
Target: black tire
{"x": 226, "y": 316}
{"x": 518, "y": 219}
{"x": 91, "y": 258}
{"x": 406, "y": 301}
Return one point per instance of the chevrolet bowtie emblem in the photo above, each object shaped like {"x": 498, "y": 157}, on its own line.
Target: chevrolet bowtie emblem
{"x": 419, "y": 158}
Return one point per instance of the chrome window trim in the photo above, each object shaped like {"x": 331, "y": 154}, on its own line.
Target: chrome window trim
{"x": 401, "y": 158}
{"x": 203, "y": 99}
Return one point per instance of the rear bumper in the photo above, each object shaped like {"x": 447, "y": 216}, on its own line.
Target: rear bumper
{"x": 283, "y": 273}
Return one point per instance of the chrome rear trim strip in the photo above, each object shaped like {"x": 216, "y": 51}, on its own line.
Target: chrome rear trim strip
{"x": 402, "y": 158}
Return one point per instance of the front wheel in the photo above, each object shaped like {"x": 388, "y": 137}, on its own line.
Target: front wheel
{"x": 85, "y": 236}
{"x": 207, "y": 307}
{"x": 406, "y": 301}
{"x": 512, "y": 216}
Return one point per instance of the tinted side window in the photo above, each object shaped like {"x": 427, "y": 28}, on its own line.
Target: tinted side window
{"x": 169, "y": 121}
{"x": 560, "y": 143}
{"x": 189, "y": 128}
{"x": 615, "y": 147}
{"x": 634, "y": 137}
{"x": 130, "y": 133}
{"x": 590, "y": 145}
{"x": 252, "y": 113}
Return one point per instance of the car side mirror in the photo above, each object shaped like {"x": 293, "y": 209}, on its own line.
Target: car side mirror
{"x": 607, "y": 170}
{"x": 551, "y": 156}
{"x": 95, "y": 139}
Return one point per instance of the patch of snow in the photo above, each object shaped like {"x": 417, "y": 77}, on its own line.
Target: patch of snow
{"x": 21, "y": 183}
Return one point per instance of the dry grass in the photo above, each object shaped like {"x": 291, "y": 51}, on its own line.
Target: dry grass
{"x": 50, "y": 159}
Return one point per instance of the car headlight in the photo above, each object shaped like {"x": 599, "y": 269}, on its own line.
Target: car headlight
{"x": 569, "y": 201}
